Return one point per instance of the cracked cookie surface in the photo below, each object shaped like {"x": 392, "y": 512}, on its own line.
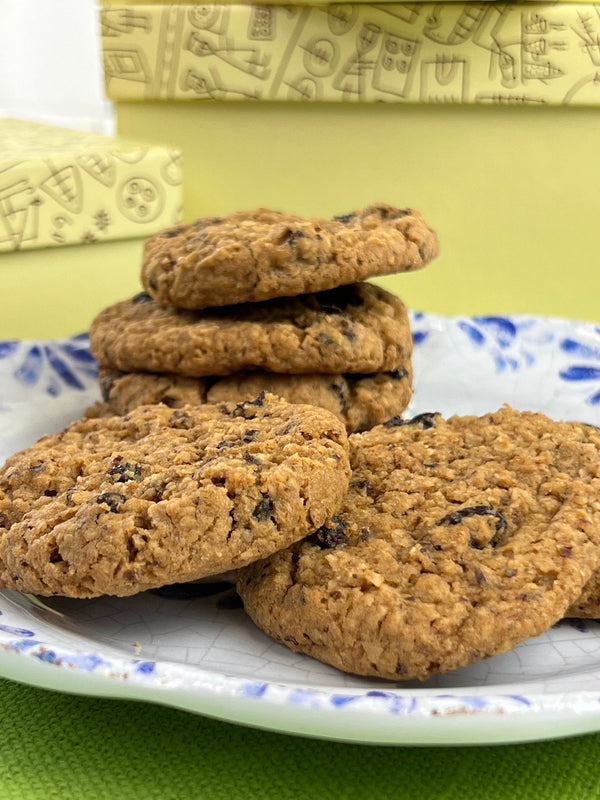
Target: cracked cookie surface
{"x": 457, "y": 540}
{"x": 356, "y": 328}
{"x": 261, "y": 254}
{"x": 360, "y": 401}
{"x": 159, "y": 496}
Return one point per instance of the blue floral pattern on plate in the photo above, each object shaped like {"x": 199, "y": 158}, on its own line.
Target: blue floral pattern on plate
{"x": 511, "y": 342}
{"x": 53, "y": 366}
{"x": 205, "y": 656}
{"x": 586, "y": 366}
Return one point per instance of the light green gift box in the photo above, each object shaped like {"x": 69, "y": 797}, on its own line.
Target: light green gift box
{"x": 75, "y": 209}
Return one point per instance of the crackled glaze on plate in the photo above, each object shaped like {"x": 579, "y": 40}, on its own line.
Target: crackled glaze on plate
{"x": 203, "y": 654}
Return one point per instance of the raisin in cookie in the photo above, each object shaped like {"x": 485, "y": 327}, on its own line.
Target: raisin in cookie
{"x": 360, "y": 401}
{"x": 356, "y": 328}
{"x": 457, "y": 540}
{"x": 258, "y": 255}
{"x": 123, "y": 504}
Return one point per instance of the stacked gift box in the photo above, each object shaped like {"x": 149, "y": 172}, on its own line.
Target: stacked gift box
{"x": 75, "y": 209}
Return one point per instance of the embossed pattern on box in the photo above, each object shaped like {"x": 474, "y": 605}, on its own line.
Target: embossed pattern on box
{"x": 59, "y": 186}
{"x": 522, "y": 53}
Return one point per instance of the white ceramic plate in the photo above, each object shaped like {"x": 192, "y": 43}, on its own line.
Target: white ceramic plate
{"x": 202, "y": 654}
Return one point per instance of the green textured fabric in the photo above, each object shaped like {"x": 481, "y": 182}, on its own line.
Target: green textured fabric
{"x": 60, "y": 746}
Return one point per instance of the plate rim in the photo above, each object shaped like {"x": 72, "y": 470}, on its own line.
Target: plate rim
{"x": 440, "y": 719}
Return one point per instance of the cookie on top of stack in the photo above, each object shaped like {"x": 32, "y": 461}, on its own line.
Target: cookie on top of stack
{"x": 264, "y": 301}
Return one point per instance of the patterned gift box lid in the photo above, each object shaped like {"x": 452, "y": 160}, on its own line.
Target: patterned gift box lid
{"x": 485, "y": 53}
{"x": 61, "y": 186}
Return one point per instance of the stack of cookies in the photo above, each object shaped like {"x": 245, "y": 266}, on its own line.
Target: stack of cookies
{"x": 264, "y": 301}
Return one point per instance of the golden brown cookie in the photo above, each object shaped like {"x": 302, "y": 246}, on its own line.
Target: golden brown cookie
{"x": 587, "y": 605}
{"x": 360, "y": 401}
{"x": 126, "y": 503}
{"x": 356, "y": 328}
{"x": 258, "y": 255}
{"x": 457, "y": 540}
